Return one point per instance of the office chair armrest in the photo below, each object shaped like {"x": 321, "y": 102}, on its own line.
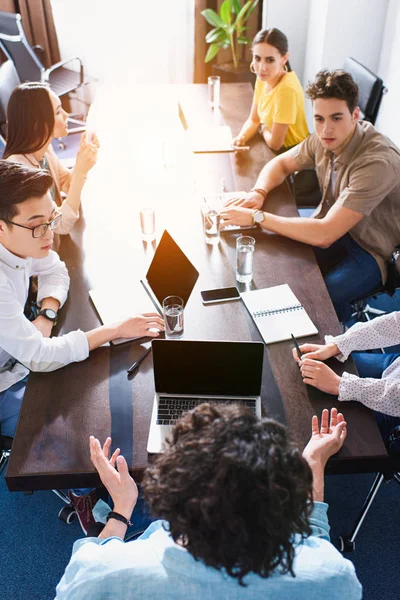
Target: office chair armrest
{"x": 62, "y": 63}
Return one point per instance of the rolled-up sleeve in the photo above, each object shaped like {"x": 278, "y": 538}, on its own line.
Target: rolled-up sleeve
{"x": 20, "y": 338}
{"x": 53, "y": 278}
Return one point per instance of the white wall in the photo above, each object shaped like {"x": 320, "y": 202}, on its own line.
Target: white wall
{"x": 276, "y": 13}
{"x": 142, "y": 42}
{"x": 388, "y": 121}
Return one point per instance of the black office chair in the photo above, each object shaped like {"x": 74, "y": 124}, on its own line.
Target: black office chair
{"x": 13, "y": 42}
{"x": 8, "y": 81}
{"x": 362, "y": 311}
{"x": 370, "y": 89}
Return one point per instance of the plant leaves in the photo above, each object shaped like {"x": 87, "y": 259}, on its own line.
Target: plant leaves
{"x": 215, "y": 35}
{"x": 225, "y": 12}
{"x": 236, "y": 6}
{"x": 255, "y": 2}
{"x": 244, "y": 40}
{"x": 212, "y": 18}
{"x": 211, "y": 53}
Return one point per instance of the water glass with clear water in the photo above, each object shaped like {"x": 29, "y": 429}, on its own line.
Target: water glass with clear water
{"x": 147, "y": 224}
{"x": 173, "y": 317}
{"x": 244, "y": 258}
{"x": 211, "y": 226}
{"x": 214, "y": 87}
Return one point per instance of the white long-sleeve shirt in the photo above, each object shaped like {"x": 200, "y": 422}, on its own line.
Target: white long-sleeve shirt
{"x": 19, "y": 339}
{"x": 383, "y": 394}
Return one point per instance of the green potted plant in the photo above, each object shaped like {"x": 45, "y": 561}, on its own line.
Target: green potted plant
{"x": 229, "y": 31}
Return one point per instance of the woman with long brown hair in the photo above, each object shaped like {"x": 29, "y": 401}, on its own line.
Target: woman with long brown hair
{"x": 34, "y": 117}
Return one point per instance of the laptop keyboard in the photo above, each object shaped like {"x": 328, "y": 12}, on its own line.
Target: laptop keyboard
{"x": 170, "y": 409}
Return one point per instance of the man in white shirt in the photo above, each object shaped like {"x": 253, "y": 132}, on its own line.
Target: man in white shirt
{"x": 378, "y": 385}
{"x": 28, "y": 217}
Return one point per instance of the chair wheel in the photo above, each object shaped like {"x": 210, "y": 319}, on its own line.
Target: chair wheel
{"x": 67, "y": 514}
{"x": 345, "y": 545}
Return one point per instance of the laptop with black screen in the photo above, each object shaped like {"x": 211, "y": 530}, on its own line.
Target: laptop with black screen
{"x": 170, "y": 274}
{"x": 188, "y": 373}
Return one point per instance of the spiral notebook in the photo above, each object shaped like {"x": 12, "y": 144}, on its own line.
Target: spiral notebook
{"x": 277, "y": 314}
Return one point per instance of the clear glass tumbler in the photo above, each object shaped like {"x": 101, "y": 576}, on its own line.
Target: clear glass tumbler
{"x": 173, "y": 317}
{"x": 214, "y": 88}
{"x": 244, "y": 258}
{"x": 148, "y": 224}
{"x": 212, "y": 226}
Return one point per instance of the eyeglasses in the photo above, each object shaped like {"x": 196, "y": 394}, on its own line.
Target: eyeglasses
{"x": 40, "y": 230}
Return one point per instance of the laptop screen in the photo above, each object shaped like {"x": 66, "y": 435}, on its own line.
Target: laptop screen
{"x": 171, "y": 273}
{"x": 220, "y": 368}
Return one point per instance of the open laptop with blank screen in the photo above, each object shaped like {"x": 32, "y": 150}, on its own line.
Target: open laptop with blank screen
{"x": 205, "y": 139}
{"x": 188, "y": 373}
{"x": 170, "y": 274}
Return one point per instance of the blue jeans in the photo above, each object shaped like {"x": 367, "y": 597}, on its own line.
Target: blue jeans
{"x": 373, "y": 365}
{"x": 350, "y": 273}
{"x": 10, "y": 406}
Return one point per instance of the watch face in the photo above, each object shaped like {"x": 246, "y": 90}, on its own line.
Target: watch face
{"x": 49, "y": 313}
{"x": 259, "y": 217}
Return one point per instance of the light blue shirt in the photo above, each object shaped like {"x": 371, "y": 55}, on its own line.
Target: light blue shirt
{"x": 154, "y": 567}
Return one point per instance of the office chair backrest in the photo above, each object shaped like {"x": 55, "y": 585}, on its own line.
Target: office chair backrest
{"x": 15, "y": 46}
{"x": 370, "y": 87}
{"x": 8, "y": 81}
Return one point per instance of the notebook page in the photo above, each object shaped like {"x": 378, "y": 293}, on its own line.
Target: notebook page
{"x": 277, "y": 313}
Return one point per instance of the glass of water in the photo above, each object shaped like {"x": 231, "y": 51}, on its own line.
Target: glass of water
{"x": 211, "y": 226}
{"x": 214, "y": 87}
{"x": 173, "y": 317}
{"x": 148, "y": 224}
{"x": 244, "y": 258}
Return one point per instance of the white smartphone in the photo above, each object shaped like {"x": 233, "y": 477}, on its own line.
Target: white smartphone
{"x": 220, "y": 295}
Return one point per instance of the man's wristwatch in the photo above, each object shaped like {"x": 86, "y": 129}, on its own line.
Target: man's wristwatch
{"x": 50, "y": 314}
{"x": 258, "y": 217}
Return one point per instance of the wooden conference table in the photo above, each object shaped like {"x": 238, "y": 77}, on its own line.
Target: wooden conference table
{"x": 140, "y": 163}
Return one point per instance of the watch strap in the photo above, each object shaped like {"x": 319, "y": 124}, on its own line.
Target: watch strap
{"x": 42, "y": 313}
{"x": 118, "y": 517}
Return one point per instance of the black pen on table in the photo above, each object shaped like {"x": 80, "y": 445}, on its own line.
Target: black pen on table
{"x": 137, "y": 362}
{"x": 296, "y": 346}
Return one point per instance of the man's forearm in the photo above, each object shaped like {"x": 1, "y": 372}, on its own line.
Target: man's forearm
{"x": 113, "y": 528}
{"x": 318, "y": 480}
{"x": 50, "y": 303}
{"x": 302, "y": 229}
{"x": 101, "y": 335}
{"x": 272, "y": 175}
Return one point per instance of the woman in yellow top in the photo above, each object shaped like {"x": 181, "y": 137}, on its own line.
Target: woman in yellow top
{"x": 278, "y": 104}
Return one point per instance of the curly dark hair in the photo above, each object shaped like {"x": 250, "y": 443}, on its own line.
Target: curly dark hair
{"x": 334, "y": 84}
{"x": 233, "y": 489}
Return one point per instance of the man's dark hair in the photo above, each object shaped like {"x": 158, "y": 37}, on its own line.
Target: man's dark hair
{"x": 19, "y": 183}
{"x": 276, "y": 38}
{"x": 234, "y": 490}
{"x": 334, "y": 84}
{"x": 30, "y": 119}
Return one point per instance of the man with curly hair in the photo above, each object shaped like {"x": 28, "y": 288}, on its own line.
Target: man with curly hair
{"x": 243, "y": 517}
{"x": 356, "y": 226}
